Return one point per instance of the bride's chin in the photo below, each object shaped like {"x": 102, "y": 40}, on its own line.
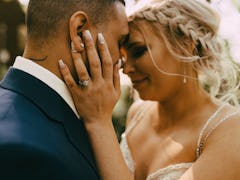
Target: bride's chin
{"x": 144, "y": 96}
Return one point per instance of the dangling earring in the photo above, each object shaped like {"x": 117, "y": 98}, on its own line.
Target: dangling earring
{"x": 184, "y": 80}
{"x": 184, "y": 76}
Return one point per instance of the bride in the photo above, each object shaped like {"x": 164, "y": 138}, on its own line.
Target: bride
{"x": 178, "y": 130}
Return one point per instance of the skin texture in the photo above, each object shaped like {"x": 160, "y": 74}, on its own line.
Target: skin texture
{"x": 60, "y": 43}
{"x": 104, "y": 80}
{"x": 168, "y": 132}
{"x": 102, "y": 71}
{"x": 59, "y": 47}
{"x": 145, "y": 77}
{"x": 170, "y": 129}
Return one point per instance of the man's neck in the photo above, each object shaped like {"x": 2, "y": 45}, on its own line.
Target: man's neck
{"x": 48, "y": 56}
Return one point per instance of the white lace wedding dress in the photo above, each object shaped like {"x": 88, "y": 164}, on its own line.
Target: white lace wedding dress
{"x": 172, "y": 172}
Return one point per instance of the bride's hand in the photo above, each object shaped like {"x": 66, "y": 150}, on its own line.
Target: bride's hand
{"x": 97, "y": 96}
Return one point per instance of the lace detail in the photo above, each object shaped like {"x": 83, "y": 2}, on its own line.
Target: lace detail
{"x": 172, "y": 172}
{"x": 127, "y": 153}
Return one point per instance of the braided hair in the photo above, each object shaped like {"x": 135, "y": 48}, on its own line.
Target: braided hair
{"x": 189, "y": 30}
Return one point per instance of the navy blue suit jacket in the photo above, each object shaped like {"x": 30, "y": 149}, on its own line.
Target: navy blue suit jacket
{"x": 40, "y": 136}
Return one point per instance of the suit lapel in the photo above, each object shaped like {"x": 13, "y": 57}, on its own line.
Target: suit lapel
{"x": 53, "y": 106}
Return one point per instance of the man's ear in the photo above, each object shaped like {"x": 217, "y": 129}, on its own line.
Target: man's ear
{"x": 77, "y": 24}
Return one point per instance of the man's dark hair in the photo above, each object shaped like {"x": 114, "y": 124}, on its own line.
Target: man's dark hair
{"x": 44, "y": 17}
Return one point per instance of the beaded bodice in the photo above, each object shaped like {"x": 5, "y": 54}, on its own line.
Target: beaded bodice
{"x": 175, "y": 171}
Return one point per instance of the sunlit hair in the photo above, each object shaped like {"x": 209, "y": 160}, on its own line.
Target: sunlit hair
{"x": 189, "y": 30}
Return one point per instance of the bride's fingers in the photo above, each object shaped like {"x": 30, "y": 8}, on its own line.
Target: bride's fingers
{"x": 71, "y": 84}
{"x": 116, "y": 78}
{"x": 92, "y": 56}
{"x": 80, "y": 66}
{"x": 106, "y": 59}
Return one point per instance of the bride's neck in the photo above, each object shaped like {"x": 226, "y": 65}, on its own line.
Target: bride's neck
{"x": 178, "y": 110}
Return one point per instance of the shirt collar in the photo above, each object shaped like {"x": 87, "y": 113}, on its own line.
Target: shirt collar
{"x": 46, "y": 77}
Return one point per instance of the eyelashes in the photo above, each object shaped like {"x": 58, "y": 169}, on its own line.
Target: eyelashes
{"x": 137, "y": 51}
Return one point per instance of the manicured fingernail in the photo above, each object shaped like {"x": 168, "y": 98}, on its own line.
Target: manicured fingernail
{"x": 123, "y": 59}
{"x": 73, "y": 46}
{"x": 119, "y": 63}
{"x": 82, "y": 45}
{"x": 88, "y": 35}
{"x": 100, "y": 38}
{"x": 61, "y": 63}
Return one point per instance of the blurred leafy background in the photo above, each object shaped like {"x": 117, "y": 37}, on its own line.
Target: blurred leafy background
{"x": 13, "y": 36}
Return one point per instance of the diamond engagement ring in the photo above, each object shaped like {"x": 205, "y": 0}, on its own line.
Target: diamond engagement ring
{"x": 74, "y": 51}
{"x": 83, "y": 83}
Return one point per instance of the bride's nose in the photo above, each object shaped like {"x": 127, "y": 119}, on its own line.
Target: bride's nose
{"x": 128, "y": 67}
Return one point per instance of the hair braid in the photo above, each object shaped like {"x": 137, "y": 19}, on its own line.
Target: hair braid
{"x": 184, "y": 24}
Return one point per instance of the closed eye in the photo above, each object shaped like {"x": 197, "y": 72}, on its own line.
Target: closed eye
{"x": 137, "y": 51}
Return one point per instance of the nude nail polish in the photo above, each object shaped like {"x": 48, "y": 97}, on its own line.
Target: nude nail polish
{"x": 88, "y": 35}
{"x": 61, "y": 63}
{"x": 100, "y": 38}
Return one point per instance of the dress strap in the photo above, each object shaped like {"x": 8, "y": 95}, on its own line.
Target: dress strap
{"x": 203, "y": 139}
{"x": 210, "y": 119}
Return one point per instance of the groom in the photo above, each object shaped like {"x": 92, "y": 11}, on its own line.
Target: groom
{"x": 41, "y": 136}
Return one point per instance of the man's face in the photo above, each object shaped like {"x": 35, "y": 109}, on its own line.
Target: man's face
{"x": 115, "y": 30}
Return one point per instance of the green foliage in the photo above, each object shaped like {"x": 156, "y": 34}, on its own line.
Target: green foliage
{"x": 121, "y": 109}
{"x": 237, "y": 4}
{"x": 3, "y": 70}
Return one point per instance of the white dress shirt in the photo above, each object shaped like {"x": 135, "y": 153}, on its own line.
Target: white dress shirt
{"x": 47, "y": 77}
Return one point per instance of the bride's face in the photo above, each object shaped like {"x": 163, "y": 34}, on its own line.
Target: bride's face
{"x": 147, "y": 78}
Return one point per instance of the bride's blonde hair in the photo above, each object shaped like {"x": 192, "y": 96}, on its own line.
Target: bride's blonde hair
{"x": 190, "y": 32}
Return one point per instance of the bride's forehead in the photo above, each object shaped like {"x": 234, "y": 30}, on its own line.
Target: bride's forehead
{"x": 139, "y": 29}
{"x": 134, "y": 36}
